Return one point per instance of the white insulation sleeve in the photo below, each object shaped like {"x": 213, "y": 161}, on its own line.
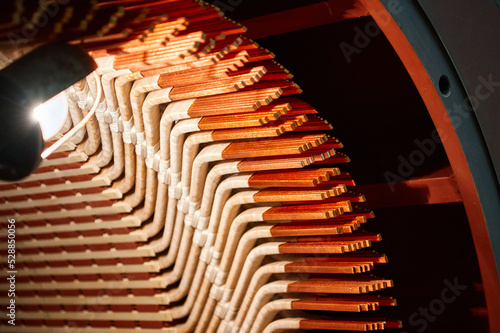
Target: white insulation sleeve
{"x": 177, "y": 135}
{"x": 104, "y": 64}
{"x": 269, "y": 311}
{"x": 239, "y": 275}
{"x": 123, "y": 85}
{"x": 281, "y": 325}
{"x": 222, "y": 194}
{"x": 244, "y": 293}
{"x": 108, "y": 87}
{"x": 211, "y": 183}
{"x": 192, "y": 187}
{"x": 237, "y": 246}
{"x": 173, "y": 112}
{"x": 137, "y": 96}
{"x": 262, "y": 297}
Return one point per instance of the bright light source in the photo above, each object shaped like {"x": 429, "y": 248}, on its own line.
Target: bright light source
{"x": 52, "y": 114}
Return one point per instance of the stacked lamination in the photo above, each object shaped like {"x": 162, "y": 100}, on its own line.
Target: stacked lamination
{"x": 202, "y": 196}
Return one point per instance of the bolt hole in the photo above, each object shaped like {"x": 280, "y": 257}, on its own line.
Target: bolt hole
{"x": 444, "y": 85}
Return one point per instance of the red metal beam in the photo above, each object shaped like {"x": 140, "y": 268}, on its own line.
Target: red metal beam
{"x": 437, "y": 188}
{"x": 310, "y": 16}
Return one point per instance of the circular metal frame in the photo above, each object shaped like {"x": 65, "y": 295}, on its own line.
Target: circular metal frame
{"x": 427, "y": 61}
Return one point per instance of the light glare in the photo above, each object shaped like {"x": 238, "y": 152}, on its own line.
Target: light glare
{"x": 51, "y": 115}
